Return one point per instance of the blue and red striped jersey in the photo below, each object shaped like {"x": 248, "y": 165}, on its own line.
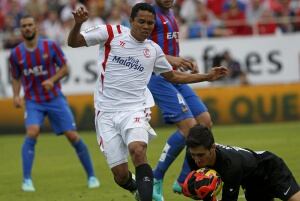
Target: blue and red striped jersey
{"x": 35, "y": 66}
{"x": 165, "y": 32}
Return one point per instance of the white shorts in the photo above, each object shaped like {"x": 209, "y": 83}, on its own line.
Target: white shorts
{"x": 115, "y": 130}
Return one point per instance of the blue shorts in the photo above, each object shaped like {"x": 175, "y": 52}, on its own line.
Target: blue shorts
{"x": 57, "y": 110}
{"x": 176, "y": 101}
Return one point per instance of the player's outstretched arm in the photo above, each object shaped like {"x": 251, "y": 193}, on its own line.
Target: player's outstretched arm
{"x": 185, "y": 78}
{"x": 75, "y": 39}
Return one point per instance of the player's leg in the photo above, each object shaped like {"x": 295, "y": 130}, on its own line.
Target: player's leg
{"x": 202, "y": 116}
{"x": 196, "y": 105}
{"x": 282, "y": 183}
{"x": 115, "y": 150}
{"x": 174, "y": 110}
{"x": 62, "y": 122}
{"x": 143, "y": 171}
{"x": 185, "y": 170}
{"x": 173, "y": 147}
{"x": 254, "y": 192}
{"x": 84, "y": 157}
{"x": 34, "y": 117}
{"x": 137, "y": 132}
{"x": 124, "y": 178}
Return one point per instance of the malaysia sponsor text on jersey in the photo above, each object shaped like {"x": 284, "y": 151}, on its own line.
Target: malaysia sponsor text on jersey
{"x": 129, "y": 62}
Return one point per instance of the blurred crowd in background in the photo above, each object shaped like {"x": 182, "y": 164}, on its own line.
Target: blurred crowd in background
{"x": 197, "y": 18}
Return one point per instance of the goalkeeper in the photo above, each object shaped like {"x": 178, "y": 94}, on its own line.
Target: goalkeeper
{"x": 262, "y": 175}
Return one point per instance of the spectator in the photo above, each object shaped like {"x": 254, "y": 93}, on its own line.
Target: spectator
{"x": 94, "y": 18}
{"x": 235, "y": 19}
{"x": 55, "y": 5}
{"x": 236, "y": 75}
{"x": 206, "y": 24}
{"x": 285, "y": 14}
{"x": 266, "y": 23}
{"x": 36, "y": 8}
{"x": 118, "y": 17}
{"x": 66, "y": 13}
{"x": 16, "y": 12}
{"x": 11, "y": 35}
{"x": 238, "y": 3}
{"x": 52, "y": 23}
{"x": 216, "y": 6}
{"x": 2, "y": 20}
{"x": 297, "y": 20}
{"x": 254, "y": 10}
{"x": 188, "y": 10}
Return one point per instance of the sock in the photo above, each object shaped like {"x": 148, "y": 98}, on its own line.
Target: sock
{"x": 172, "y": 149}
{"x": 84, "y": 157}
{"x": 28, "y": 156}
{"x": 130, "y": 185}
{"x": 185, "y": 170}
{"x": 144, "y": 181}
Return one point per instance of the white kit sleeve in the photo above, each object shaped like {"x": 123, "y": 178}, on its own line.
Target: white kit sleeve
{"x": 95, "y": 35}
{"x": 161, "y": 64}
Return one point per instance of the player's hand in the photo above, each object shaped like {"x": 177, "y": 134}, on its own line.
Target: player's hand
{"x": 80, "y": 15}
{"x": 217, "y": 73}
{"x": 48, "y": 84}
{"x": 183, "y": 64}
{"x": 18, "y": 101}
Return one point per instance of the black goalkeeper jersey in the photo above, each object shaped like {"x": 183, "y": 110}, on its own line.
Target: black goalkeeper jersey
{"x": 238, "y": 167}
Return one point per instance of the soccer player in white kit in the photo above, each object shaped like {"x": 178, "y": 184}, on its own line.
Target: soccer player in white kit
{"x": 122, "y": 101}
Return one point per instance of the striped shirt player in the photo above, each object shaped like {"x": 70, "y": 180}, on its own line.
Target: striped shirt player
{"x": 166, "y": 32}
{"x": 178, "y": 102}
{"x": 33, "y": 67}
{"x": 38, "y": 65}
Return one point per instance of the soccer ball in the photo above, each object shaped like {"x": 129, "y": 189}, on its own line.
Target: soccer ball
{"x": 203, "y": 184}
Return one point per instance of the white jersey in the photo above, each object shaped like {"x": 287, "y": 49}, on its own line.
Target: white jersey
{"x": 126, "y": 66}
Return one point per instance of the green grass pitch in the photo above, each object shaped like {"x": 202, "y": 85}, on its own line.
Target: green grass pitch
{"x": 58, "y": 175}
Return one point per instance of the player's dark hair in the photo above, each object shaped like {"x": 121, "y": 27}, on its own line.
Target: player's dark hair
{"x": 26, "y": 16}
{"x": 200, "y": 135}
{"x": 141, "y": 6}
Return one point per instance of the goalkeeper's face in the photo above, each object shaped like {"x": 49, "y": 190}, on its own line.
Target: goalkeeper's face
{"x": 28, "y": 28}
{"x": 203, "y": 157}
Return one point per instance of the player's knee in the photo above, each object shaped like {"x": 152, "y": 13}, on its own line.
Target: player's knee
{"x": 207, "y": 123}
{"x": 185, "y": 125}
{"x": 205, "y": 119}
{"x": 121, "y": 178}
{"x": 121, "y": 174}
{"x": 33, "y": 131}
{"x": 72, "y": 136}
{"x": 137, "y": 152}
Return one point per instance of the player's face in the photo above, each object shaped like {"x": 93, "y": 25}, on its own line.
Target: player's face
{"x": 142, "y": 25}
{"x": 165, "y": 4}
{"x": 202, "y": 156}
{"x": 28, "y": 28}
